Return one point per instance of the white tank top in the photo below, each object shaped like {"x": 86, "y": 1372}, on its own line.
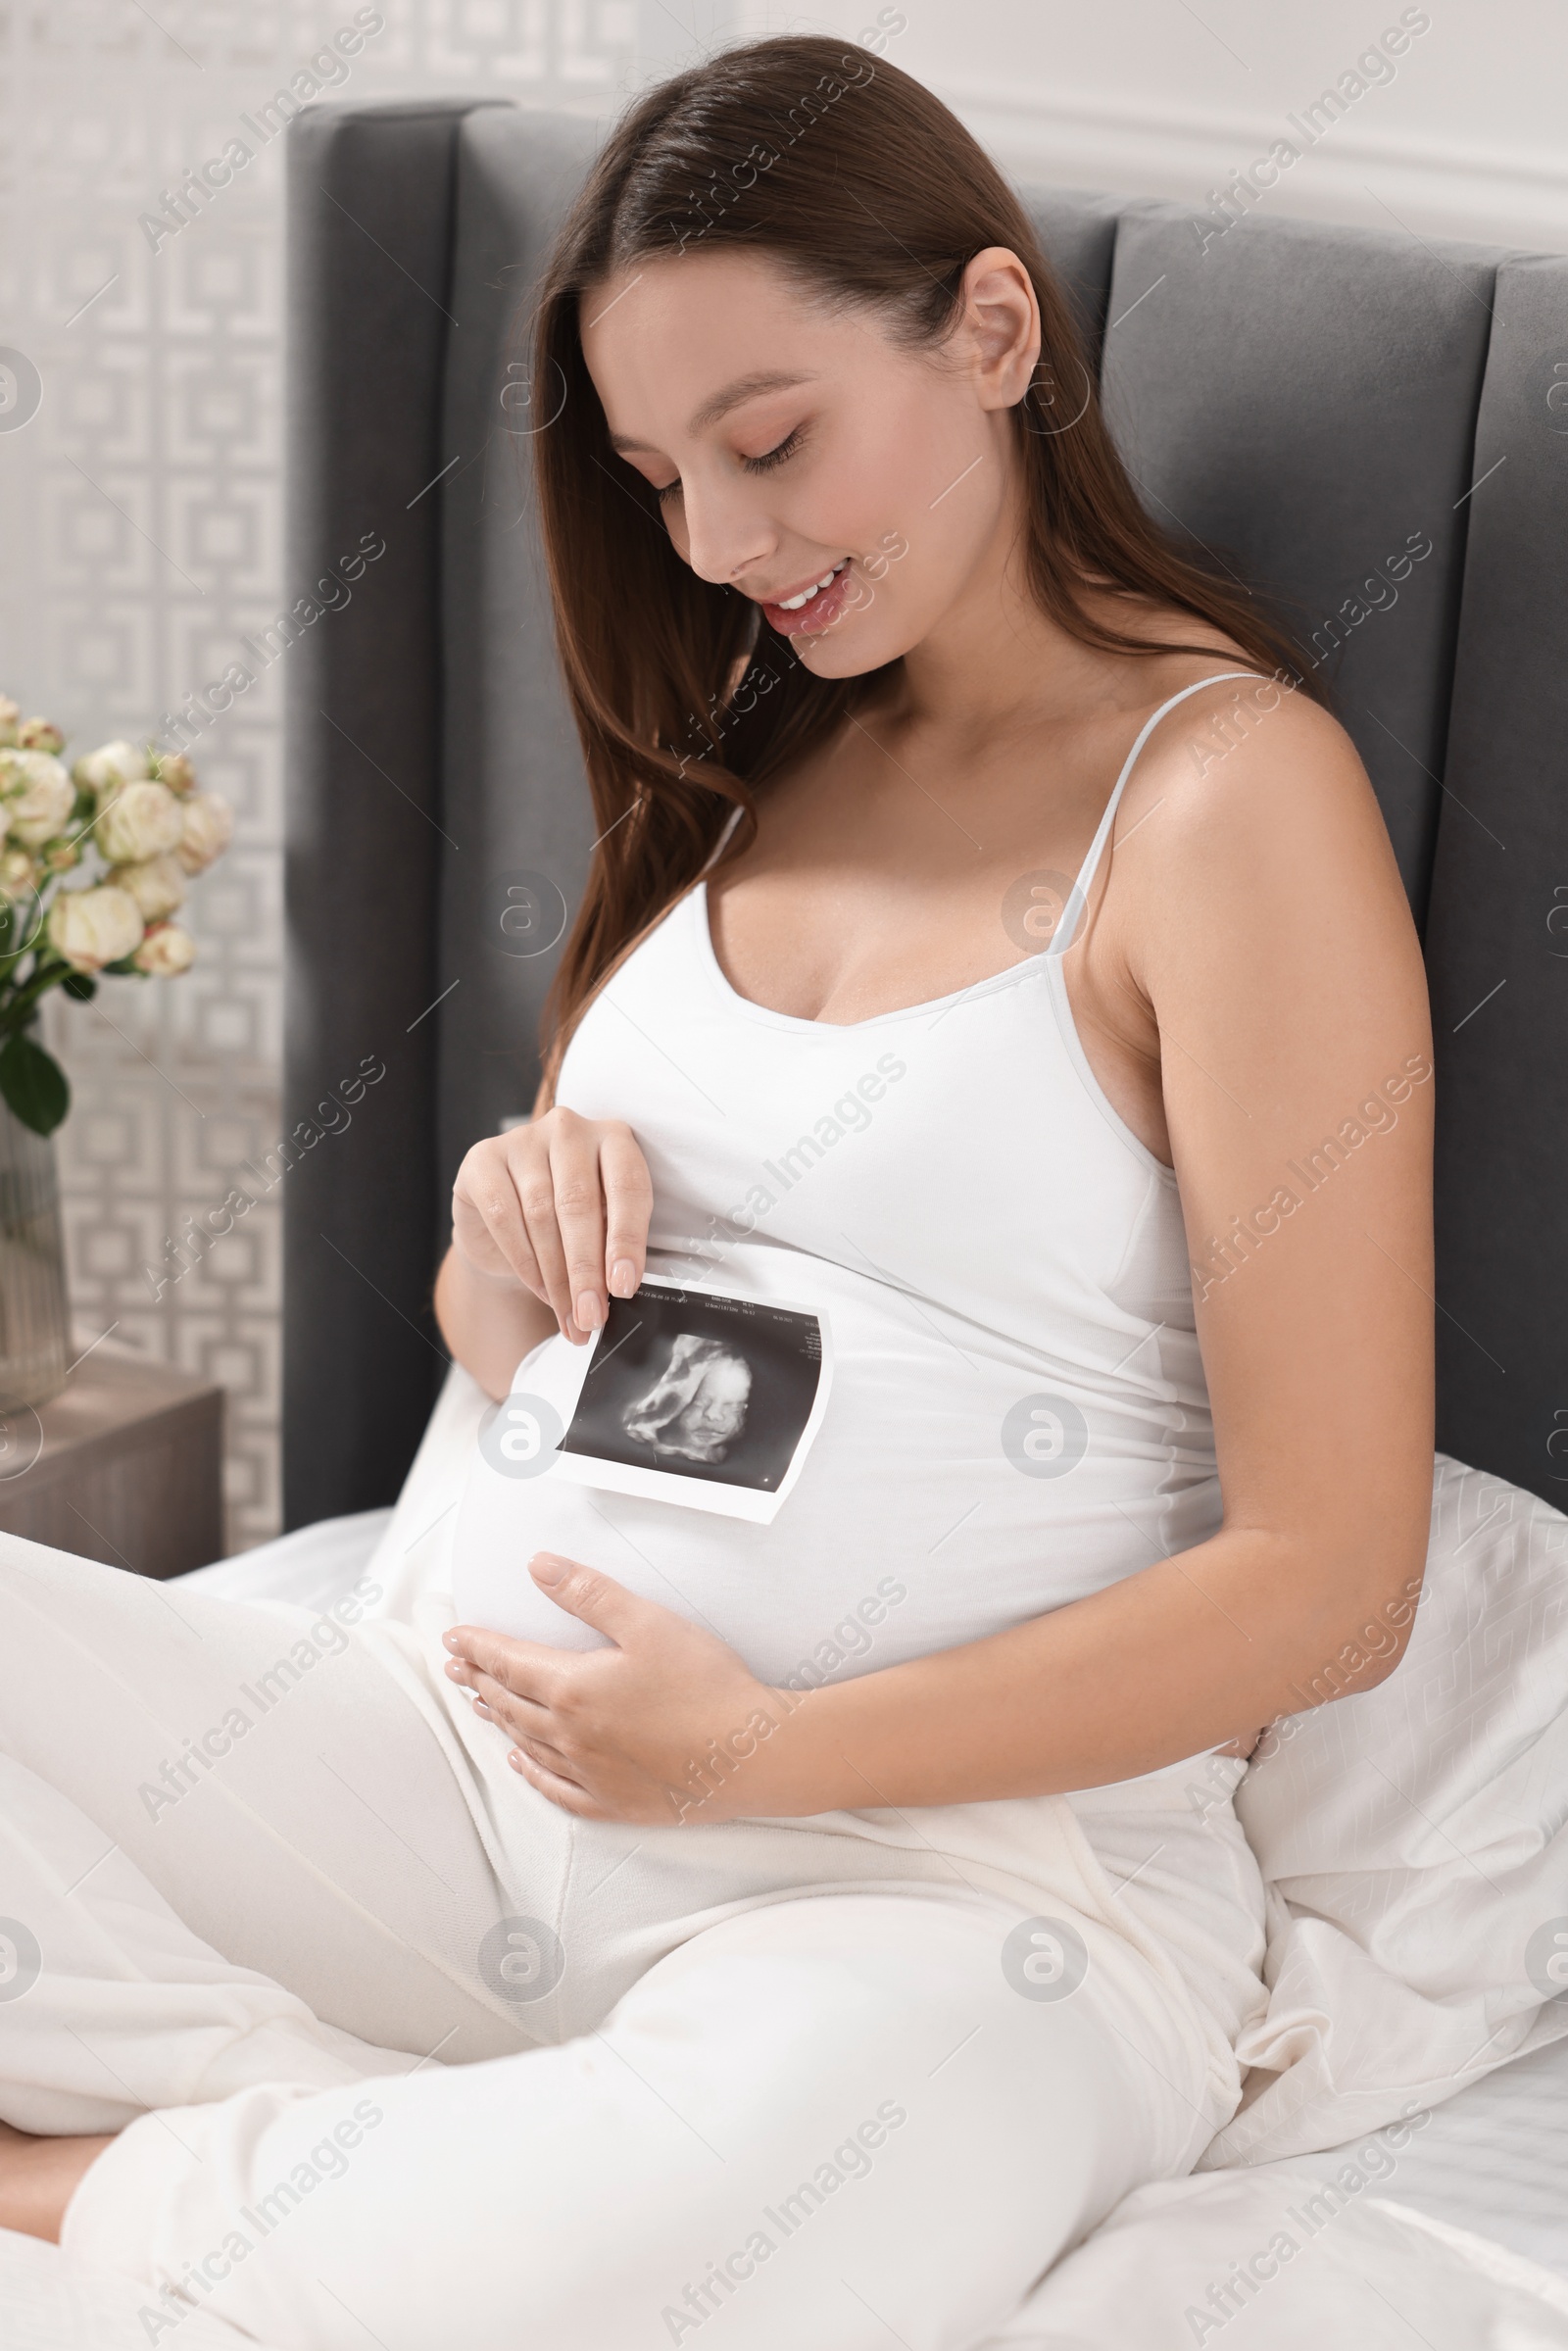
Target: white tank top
{"x": 1018, "y": 1414}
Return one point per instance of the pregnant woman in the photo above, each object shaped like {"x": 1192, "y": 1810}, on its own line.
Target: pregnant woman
{"x": 801, "y": 1931}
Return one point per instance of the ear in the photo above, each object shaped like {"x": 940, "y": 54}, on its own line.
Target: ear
{"x": 1000, "y": 321}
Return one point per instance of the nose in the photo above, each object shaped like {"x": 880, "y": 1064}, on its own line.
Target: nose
{"x": 725, "y": 536}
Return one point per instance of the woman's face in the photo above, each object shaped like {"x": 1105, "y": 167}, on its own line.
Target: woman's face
{"x": 792, "y": 442}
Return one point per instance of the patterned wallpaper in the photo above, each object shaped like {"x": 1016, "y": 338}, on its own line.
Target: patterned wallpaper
{"x": 140, "y": 514}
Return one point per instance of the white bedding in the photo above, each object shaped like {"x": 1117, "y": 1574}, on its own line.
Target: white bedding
{"x": 1170, "y": 2268}
{"x": 1458, "y": 2236}
{"x": 1495, "y": 2159}
{"x": 1413, "y": 1841}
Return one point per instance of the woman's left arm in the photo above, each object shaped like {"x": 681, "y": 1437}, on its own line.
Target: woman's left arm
{"x": 1267, "y": 938}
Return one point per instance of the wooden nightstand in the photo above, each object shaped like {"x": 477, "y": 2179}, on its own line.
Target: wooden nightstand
{"x": 124, "y": 1466}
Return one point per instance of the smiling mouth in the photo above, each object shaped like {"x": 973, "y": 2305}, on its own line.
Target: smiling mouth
{"x": 798, "y": 603}
{"x": 817, "y": 608}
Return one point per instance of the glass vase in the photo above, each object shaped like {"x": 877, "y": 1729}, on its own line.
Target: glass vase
{"x": 34, "y": 1315}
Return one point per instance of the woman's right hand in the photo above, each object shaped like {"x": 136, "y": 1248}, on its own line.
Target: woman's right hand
{"x": 561, "y": 1205}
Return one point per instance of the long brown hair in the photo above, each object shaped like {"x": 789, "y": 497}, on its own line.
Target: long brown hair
{"x": 867, "y": 189}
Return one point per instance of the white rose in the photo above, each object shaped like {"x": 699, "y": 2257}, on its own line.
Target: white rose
{"x": 177, "y": 771}
{"x": 18, "y": 874}
{"x": 157, "y": 885}
{"x": 166, "y": 951}
{"x": 37, "y": 795}
{"x": 94, "y": 927}
{"x": 141, "y": 820}
{"x": 112, "y": 764}
{"x": 10, "y": 712}
{"x": 208, "y": 828}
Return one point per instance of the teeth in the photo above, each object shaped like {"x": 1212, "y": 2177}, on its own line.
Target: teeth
{"x": 793, "y": 604}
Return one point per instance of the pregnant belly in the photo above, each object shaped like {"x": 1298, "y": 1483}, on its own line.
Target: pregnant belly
{"x": 959, "y": 1484}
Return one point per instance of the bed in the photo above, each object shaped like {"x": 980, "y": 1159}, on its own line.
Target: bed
{"x": 1456, "y": 2236}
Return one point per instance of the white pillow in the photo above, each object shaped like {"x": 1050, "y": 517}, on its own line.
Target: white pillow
{"x": 1413, "y": 1845}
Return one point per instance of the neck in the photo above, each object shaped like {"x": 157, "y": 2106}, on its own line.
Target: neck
{"x": 996, "y": 661}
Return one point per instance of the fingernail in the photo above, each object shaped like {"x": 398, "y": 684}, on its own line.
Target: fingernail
{"x": 546, "y": 1569}
{"x": 624, "y": 1278}
{"x": 588, "y": 1311}
{"x": 450, "y": 1640}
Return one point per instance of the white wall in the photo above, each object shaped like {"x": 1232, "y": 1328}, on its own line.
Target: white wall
{"x": 1166, "y": 97}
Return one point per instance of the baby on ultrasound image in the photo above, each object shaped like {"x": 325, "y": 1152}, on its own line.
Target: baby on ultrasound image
{"x": 699, "y": 1385}
{"x": 698, "y": 1403}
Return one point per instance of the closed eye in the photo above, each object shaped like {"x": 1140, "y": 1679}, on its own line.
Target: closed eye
{"x": 775, "y": 456}
{"x": 764, "y": 463}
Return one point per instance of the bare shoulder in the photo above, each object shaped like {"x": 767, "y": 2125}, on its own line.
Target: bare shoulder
{"x": 1251, "y": 802}
{"x": 1233, "y": 733}
{"x": 1229, "y": 750}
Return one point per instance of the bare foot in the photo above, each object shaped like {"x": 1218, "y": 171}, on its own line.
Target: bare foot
{"x": 38, "y": 2177}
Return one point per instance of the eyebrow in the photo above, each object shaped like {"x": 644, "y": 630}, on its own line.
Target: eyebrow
{"x": 712, "y": 412}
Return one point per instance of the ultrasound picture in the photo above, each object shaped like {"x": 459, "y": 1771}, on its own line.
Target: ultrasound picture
{"x": 699, "y": 1387}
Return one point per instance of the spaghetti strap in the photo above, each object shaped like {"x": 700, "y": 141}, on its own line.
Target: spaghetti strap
{"x": 1078, "y": 895}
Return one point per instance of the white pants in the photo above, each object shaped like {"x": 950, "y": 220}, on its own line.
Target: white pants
{"x": 399, "y": 2052}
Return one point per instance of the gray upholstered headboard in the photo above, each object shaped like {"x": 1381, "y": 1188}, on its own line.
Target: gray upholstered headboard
{"x": 1317, "y": 403}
